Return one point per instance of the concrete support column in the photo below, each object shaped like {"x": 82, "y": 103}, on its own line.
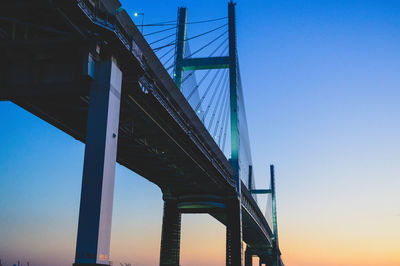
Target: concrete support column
{"x": 171, "y": 234}
{"x": 248, "y": 257}
{"x": 275, "y": 261}
{"x": 234, "y": 233}
{"x": 95, "y": 214}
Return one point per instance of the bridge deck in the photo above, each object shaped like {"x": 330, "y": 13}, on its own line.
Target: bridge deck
{"x": 160, "y": 136}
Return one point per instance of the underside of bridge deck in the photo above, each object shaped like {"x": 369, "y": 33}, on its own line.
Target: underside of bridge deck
{"x": 49, "y": 60}
{"x": 50, "y": 80}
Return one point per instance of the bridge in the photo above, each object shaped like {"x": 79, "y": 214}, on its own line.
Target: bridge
{"x": 85, "y": 67}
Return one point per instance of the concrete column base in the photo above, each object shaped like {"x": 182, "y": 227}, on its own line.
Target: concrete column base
{"x": 248, "y": 258}
{"x": 234, "y": 233}
{"x": 171, "y": 234}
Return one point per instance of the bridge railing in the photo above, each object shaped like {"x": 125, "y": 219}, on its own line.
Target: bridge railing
{"x": 101, "y": 16}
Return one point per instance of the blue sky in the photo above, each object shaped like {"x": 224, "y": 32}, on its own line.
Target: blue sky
{"x": 321, "y": 84}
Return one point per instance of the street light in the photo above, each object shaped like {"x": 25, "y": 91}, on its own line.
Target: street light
{"x": 136, "y": 14}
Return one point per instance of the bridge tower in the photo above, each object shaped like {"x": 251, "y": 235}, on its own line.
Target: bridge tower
{"x": 275, "y": 247}
{"x": 170, "y": 241}
{"x": 273, "y": 254}
{"x": 234, "y": 236}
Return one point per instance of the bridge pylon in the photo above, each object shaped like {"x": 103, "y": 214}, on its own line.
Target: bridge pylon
{"x": 232, "y": 210}
{"x": 95, "y": 214}
{"x": 183, "y": 63}
{"x": 273, "y": 254}
{"x": 171, "y": 234}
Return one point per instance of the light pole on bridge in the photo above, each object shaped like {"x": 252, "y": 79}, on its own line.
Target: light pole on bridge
{"x": 137, "y": 14}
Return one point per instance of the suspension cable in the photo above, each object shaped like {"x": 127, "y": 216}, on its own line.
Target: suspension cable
{"x": 170, "y": 50}
{"x": 166, "y": 37}
{"x": 225, "y": 132}
{"x": 219, "y": 46}
{"x": 168, "y": 23}
{"x": 213, "y": 52}
{"x": 205, "y": 75}
{"x": 208, "y": 44}
{"x": 207, "y": 90}
{"x": 169, "y": 59}
{"x": 198, "y": 85}
{"x": 213, "y": 97}
{"x": 165, "y": 23}
{"x": 223, "y": 121}
{"x": 221, "y": 108}
{"x": 191, "y": 38}
{"x": 155, "y": 32}
{"x": 164, "y": 46}
{"x": 204, "y": 21}
{"x": 217, "y": 105}
{"x": 226, "y": 48}
{"x": 207, "y": 32}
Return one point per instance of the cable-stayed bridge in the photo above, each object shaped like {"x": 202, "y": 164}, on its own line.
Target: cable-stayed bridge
{"x": 166, "y": 103}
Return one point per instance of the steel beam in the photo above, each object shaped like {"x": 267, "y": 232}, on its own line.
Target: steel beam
{"x": 205, "y": 63}
{"x": 260, "y": 191}
{"x": 171, "y": 234}
{"x": 94, "y": 227}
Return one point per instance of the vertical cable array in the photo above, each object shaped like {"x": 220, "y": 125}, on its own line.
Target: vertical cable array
{"x": 209, "y": 97}
{"x": 205, "y": 88}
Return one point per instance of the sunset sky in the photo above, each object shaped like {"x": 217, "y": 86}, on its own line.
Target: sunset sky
{"x": 321, "y": 83}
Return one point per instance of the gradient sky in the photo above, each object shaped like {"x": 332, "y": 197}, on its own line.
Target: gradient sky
{"x": 322, "y": 87}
